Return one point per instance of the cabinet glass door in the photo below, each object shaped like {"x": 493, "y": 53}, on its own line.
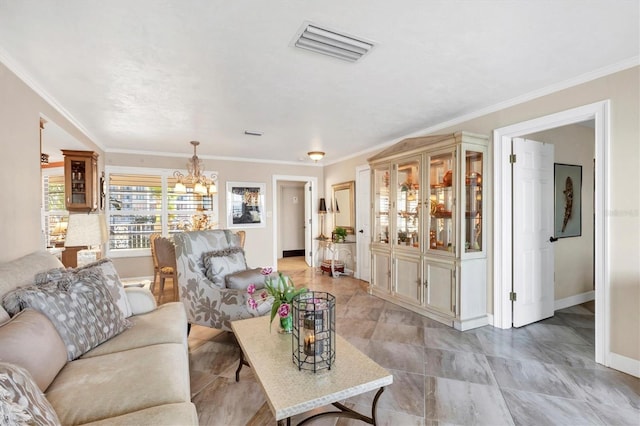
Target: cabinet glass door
{"x": 78, "y": 181}
{"x": 473, "y": 162}
{"x": 381, "y": 186}
{"x": 407, "y": 203}
{"x": 441, "y": 202}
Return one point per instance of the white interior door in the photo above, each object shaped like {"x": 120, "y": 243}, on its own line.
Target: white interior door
{"x": 363, "y": 223}
{"x": 533, "y": 254}
{"x": 308, "y": 224}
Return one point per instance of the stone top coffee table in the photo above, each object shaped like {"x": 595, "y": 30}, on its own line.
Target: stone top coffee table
{"x": 291, "y": 391}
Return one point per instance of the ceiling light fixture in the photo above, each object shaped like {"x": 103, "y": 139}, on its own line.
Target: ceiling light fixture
{"x": 253, "y": 133}
{"x": 331, "y": 43}
{"x": 315, "y": 155}
{"x": 201, "y": 184}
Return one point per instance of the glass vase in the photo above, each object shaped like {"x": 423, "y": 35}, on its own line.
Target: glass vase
{"x": 286, "y": 324}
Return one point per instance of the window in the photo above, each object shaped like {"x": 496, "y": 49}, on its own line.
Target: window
{"x": 141, "y": 202}
{"x": 55, "y": 217}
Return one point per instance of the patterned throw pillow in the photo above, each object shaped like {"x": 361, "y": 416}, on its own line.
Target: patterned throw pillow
{"x": 219, "y": 264}
{"x": 80, "y": 307}
{"x": 21, "y": 402}
{"x": 112, "y": 280}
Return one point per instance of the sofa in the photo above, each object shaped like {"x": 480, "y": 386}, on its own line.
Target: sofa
{"x": 137, "y": 376}
{"x": 213, "y": 277}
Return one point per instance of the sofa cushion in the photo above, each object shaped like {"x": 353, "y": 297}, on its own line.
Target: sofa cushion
{"x": 218, "y": 264}
{"x": 31, "y": 341}
{"x": 91, "y": 389}
{"x": 80, "y": 307}
{"x": 111, "y": 280}
{"x": 19, "y": 272}
{"x": 183, "y": 413}
{"x": 240, "y": 280}
{"x": 167, "y": 324}
{"x": 21, "y": 401}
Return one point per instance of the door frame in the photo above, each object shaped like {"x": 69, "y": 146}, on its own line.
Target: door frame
{"x": 502, "y": 234}
{"x": 367, "y": 206}
{"x": 314, "y": 208}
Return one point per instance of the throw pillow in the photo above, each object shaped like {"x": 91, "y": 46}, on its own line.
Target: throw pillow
{"x": 219, "y": 264}
{"x": 111, "y": 281}
{"x": 21, "y": 402}
{"x": 31, "y": 341}
{"x": 80, "y": 307}
{"x": 241, "y": 280}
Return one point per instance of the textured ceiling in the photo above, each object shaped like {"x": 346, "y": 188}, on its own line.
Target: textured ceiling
{"x": 151, "y": 75}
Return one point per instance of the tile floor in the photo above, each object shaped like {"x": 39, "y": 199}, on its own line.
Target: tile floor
{"x": 542, "y": 374}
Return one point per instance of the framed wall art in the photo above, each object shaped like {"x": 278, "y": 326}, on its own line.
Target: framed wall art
{"x": 245, "y": 205}
{"x": 568, "y": 200}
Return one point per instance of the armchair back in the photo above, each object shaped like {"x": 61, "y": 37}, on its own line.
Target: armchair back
{"x": 205, "y": 303}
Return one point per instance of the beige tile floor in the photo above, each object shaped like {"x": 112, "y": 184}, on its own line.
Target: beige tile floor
{"x": 542, "y": 374}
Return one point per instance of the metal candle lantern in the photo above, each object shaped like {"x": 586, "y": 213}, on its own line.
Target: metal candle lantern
{"x": 314, "y": 331}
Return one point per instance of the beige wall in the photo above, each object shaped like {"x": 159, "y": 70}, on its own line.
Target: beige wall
{"x": 259, "y": 243}
{"x": 574, "y": 256}
{"x": 20, "y": 112}
{"x": 623, "y": 90}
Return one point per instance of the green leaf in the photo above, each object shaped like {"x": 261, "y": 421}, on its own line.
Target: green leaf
{"x": 274, "y": 311}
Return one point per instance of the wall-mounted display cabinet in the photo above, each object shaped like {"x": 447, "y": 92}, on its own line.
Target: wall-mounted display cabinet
{"x": 428, "y": 247}
{"x": 81, "y": 180}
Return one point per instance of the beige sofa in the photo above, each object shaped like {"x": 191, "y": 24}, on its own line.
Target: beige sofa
{"x": 138, "y": 377}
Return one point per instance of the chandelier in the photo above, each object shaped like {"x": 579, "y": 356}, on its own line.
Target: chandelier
{"x": 201, "y": 184}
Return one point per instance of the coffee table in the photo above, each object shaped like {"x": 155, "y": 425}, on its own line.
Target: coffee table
{"x": 290, "y": 391}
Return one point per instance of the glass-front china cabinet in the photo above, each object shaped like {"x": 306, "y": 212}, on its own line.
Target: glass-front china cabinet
{"x": 428, "y": 250}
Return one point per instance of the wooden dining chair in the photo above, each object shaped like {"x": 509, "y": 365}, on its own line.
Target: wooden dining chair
{"x": 166, "y": 253}
{"x": 156, "y": 271}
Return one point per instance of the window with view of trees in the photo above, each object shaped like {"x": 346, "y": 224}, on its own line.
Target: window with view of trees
{"x": 141, "y": 203}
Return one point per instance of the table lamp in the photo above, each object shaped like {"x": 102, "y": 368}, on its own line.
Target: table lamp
{"x": 87, "y": 230}
{"x": 322, "y": 210}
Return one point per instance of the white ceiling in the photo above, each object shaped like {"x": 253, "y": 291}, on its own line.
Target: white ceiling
{"x": 151, "y": 75}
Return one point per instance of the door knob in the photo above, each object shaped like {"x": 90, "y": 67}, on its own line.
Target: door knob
{"x": 361, "y": 231}
{"x": 552, "y": 239}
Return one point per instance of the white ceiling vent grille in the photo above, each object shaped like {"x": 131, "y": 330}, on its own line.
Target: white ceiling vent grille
{"x": 332, "y": 43}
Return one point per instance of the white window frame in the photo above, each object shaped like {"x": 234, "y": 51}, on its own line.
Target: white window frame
{"x": 164, "y": 174}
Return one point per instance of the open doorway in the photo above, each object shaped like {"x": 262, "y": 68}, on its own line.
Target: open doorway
{"x": 503, "y": 243}
{"x": 285, "y": 188}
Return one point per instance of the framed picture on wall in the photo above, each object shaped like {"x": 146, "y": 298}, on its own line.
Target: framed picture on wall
{"x": 568, "y": 200}
{"x": 245, "y": 205}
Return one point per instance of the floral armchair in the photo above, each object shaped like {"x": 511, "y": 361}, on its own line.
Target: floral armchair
{"x": 209, "y": 302}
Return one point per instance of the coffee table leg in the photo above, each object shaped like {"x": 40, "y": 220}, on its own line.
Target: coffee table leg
{"x": 348, "y": 412}
{"x": 240, "y": 364}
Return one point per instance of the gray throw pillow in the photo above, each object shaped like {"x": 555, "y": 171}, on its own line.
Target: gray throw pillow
{"x": 219, "y": 264}
{"x": 241, "y": 280}
{"x": 21, "y": 401}
{"x": 111, "y": 281}
{"x": 80, "y": 308}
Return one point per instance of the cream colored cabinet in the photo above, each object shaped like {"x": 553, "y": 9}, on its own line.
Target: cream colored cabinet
{"x": 381, "y": 271}
{"x": 428, "y": 204}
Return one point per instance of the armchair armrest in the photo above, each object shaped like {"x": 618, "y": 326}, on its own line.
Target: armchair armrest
{"x": 141, "y": 300}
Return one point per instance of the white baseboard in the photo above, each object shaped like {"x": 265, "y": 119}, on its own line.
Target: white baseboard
{"x": 490, "y": 319}
{"x": 574, "y": 300}
{"x": 624, "y": 364}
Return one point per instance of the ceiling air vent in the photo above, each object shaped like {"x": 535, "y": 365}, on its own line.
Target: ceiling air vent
{"x": 331, "y": 43}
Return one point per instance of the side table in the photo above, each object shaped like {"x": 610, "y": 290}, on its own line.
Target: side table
{"x": 337, "y": 258}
